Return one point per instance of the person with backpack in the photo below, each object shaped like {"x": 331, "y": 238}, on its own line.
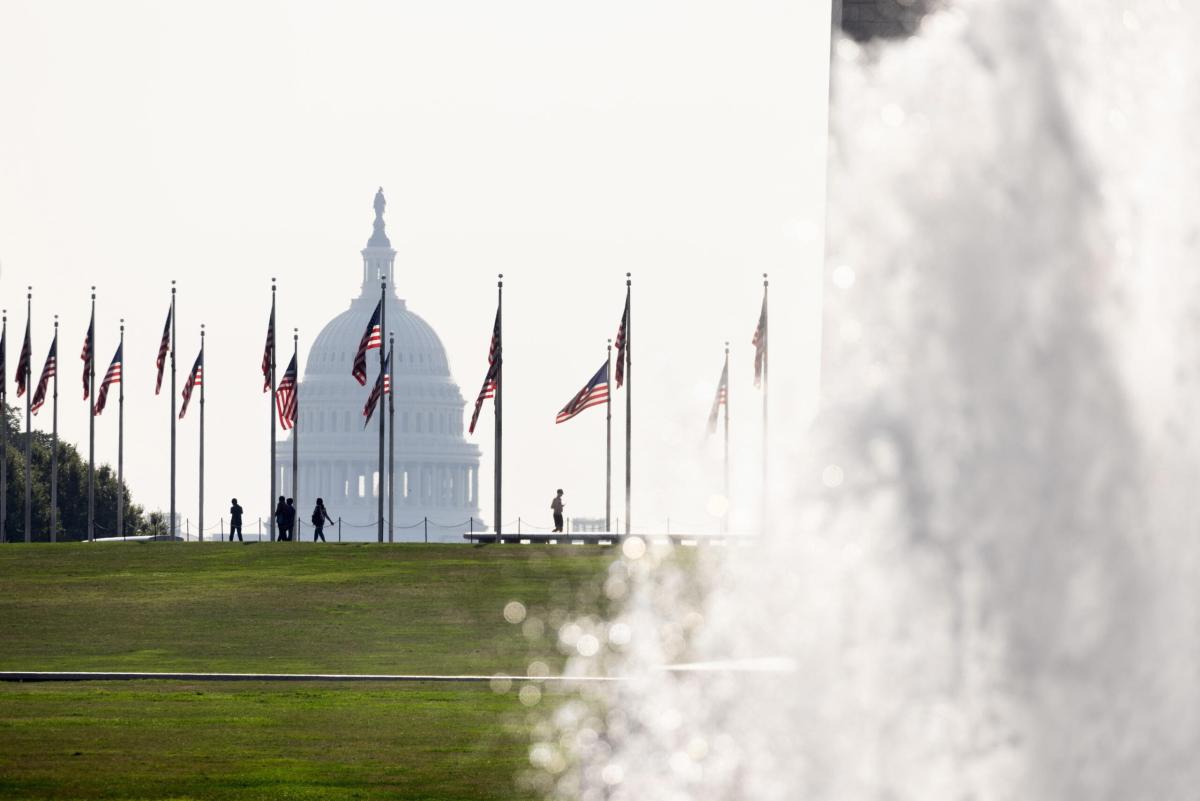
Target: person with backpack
{"x": 319, "y": 518}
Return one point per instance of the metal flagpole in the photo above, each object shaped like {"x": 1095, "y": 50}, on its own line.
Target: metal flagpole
{"x": 121, "y": 439}
{"x": 274, "y": 470}
{"x": 203, "y": 381}
{"x": 29, "y": 428}
{"x": 608, "y": 449}
{"x": 4, "y": 434}
{"x": 172, "y": 523}
{"x": 628, "y": 398}
{"x": 54, "y": 444}
{"x": 498, "y": 409}
{"x": 766, "y": 356}
{"x": 92, "y": 423}
{"x": 726, "y": 377}
{"x": 391, "y": 438}
{"x": 296, "y": 422}
{"x": 382, "y": 416}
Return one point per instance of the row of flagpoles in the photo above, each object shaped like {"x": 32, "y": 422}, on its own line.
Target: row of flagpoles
{"x": 284, "y": 405}
{"x": 598, "y": 392}
{"x": 98, "y": 400}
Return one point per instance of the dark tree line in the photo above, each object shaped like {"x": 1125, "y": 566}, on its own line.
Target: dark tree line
{"x": 72, "y": 490}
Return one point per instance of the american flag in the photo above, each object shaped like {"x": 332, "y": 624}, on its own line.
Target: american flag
{"x": 23, "y": 364}
{"x": 594, "y": 393}
{"x": 113, "y": 376}
{"x": 194, "y": 379}
{"x": 164, "y": 347}
{"x": 760, "y": 344}
{"x": 285, "y": 396}
{"x": 383, "y": 386}
{"x": 49, "y": 370}
{"x": 372, "y": 338}
{"x": 621, "y": 341}
{"x": 721, "y": 400}
{"x": 492, "y": 380}
{"x": 86, "y": 356}
{"x": 269, "y": 350}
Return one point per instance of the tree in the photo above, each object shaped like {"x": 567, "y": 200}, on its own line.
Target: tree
{"x": 72, "y": 490}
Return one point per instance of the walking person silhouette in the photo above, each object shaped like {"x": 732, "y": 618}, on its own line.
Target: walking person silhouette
{"x": 235, "y": 521}
{"x": 319, "y": 518}
{"x": 291, "y": 519}
{"x": 281, "y": 516}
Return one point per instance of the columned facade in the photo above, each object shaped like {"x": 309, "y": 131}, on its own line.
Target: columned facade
{"x": 437, "y": 470}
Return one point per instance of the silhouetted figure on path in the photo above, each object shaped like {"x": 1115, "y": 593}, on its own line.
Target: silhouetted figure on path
{"x": 319, "y": 518}
{"x": 235, "y": 521}
{"x": 557, "y": 506}
{"x": 281, "y": 515}
{"x": 291, "y": 519}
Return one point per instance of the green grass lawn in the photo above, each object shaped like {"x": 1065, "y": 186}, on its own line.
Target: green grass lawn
{"x": 286, "y": 608}
{"x": 277, "y": 608}
{"x": 175, "y": 740}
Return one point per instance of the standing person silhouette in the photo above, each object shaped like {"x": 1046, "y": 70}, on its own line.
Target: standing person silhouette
{"x": 281, "y": 519}
{"x": 319, "y": 518}
{"x": 557, "y": 506}
{"x": 235, "y": 521}
{"x": 291, "y": 519}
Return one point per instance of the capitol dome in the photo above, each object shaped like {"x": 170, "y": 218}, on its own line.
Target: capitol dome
{"x": 436, "y": 469}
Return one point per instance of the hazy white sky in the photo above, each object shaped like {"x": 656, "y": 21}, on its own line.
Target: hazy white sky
{"x": 559, "y": 143}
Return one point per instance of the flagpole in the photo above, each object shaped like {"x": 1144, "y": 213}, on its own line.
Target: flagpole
{"x": 92, "y": 423}
{"x": 173, "y": 419}
{"x": 391, "y": 440}
{"x": 29, "y": 428}
{"x": 382, "y": 358}
{"x": 608, "y": 448}
{"x": 498, "y": 477}
{"x": 766, "y": 356}
{"x": 203, "y": 381}
{"x": 4, "y": 434}
{"x": 727, "y": 504}
{"x": 296, "y": 421}
{"x": 628, "y": 399}
{"x": 54, "y": 444}
{"x": 121, "y": 439}
{"x": 274, "y": 470}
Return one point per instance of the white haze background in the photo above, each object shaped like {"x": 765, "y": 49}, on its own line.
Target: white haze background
{"x": 221, "y": 144}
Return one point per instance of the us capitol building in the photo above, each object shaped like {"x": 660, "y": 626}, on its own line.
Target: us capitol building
{"x": 437, "y": 470}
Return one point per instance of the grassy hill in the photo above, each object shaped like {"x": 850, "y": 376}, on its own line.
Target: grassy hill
{"x": 278, "y": 608}
{"x": 284, "y": 607}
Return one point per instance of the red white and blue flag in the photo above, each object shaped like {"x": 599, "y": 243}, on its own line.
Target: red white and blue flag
{"x": 86, "y": 356}
{"x": 760, "y": 343}
{"x": 49, "y": 370}
{"x": 269, "y": 350}
{"x": 621, "y": 342}
{"x": 383, "y": 386}
{"x": 113, "y": 376}
{"x": 23, "y": 364}
{"x": 372, "y": 338}
{"x": 285, "y": 396}
{"x": 594, "y": 393}
{"x": 164, "y": 347}
{"x": 722, "y": 399}
{"x": 195, "y": 379}
{"x": 492, "y": 380}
